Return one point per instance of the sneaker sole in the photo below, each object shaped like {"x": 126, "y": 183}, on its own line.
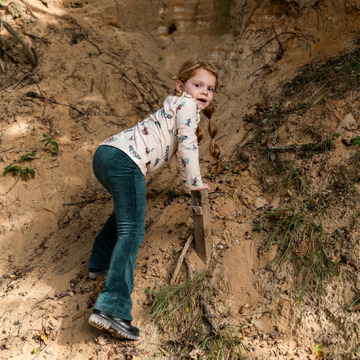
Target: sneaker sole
{"x": 100, "y": 323}
{"x": 96, "y": 274}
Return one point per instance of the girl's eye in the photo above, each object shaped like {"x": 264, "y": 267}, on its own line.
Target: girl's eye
{"x": 211, "y": 89}
{"x": 197, "y": 85}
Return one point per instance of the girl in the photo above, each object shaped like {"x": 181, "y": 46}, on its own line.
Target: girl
{"x": 120, "y": 164}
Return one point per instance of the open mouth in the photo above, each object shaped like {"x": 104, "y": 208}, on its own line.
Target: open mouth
{"x": 202, "y": 100}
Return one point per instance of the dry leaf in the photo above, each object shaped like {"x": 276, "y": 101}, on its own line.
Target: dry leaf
{"x": 318, "y": 351}
{"x": 194, "y": 354}
{"x": 42, "y": 337}
{"x": 101, "y": 340}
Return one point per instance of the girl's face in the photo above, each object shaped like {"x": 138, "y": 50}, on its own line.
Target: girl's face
{"x": 200, "y": 87}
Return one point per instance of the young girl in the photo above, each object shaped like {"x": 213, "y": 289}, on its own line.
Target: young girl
{"x": 120, "y": 164}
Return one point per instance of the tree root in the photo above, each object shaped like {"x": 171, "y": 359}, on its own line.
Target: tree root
{"x": 12, "y": 32}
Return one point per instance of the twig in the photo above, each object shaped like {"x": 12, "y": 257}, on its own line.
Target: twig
{"x": 188, "y": 268}
{"x": 42, "y": 351}
{"x": 123, "y": 74}
{"x": 57, "y": 317}
{"x": 21, "y": 79}
{"x": 89, "y": 201}
{"x": 14, "y": 183}
{"x": 7, "y": 149}
{"x": 215, "y": 194}
{"x": 10, "y": 29}
{"x": 276, "y": 37}
{"x": 78, "y": 316}
{"x": 2, "y": 66}
{"x": 92, "y": 43}
{"x": 208, "y": 315}
{"x": 181, "y": 258}
{"x": 37, "y": 37}
{"x": 51, "y": 100}
{"x": 44, "y": 2}
{"x": 324, "y": 145}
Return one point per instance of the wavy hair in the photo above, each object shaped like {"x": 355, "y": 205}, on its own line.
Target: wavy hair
{"x": 188, "y": 70}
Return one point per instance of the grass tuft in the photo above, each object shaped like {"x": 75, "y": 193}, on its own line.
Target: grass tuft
{"x": 299, "y": 238}
{"x": 178, "y": 312}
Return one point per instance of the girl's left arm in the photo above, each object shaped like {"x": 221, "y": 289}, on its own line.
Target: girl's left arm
{"x": 187, "y": 155}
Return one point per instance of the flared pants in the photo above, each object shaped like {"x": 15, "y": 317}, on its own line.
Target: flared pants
{"x": 117, "y": 244}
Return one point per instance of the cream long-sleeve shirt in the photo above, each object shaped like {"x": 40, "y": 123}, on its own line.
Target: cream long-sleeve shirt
{"x": 168, "y": 131}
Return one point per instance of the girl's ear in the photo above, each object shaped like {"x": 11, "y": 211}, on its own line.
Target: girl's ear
{"x": 179, "y": 86}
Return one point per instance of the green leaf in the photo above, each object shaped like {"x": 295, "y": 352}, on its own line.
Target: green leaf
{"x": 36, "y": 351}
{"x": 28, "y": 171}
{"x": 16, "y": 169}
{"x": 27, "y": 156}
{"x": 55, "y": 145}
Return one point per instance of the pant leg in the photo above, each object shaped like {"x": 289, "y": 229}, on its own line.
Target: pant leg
{"x": 103, "y": 245}
{"x": 106, "y": 239}
{"x": 126, "y": 184}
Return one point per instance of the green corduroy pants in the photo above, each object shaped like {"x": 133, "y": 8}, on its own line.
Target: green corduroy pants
{"x": 117, "y": 244}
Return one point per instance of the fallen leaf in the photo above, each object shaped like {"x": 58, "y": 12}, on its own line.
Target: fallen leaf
{"x": 318, "y": 351}
{"x": 78, "y": 316}
{"x": 101, "y": 340}
{"x": 36, "y": 351}
{"x": 242, "y": 309}
{"x": 42, "y": 336}
{"x": 194, "y": 353}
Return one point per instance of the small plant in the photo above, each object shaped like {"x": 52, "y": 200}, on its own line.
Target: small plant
{"x": 49, "y": 140}
{"x": 346, "y": 177}
{"x": 356, "y": 141}
{"x": 170, "y": 196}
{"x": 177, "y": 309}
{"x": 293, "y": 179}
{"x": 301, "y": 239}
{"x": 25, "y": 171}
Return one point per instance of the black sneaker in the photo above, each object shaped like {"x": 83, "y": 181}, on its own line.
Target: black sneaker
{"x": 95, "y": 273}
{"x": 117, "y": 327}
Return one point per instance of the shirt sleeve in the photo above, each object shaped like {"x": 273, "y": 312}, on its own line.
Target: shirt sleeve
{"x": 187, "y": 155}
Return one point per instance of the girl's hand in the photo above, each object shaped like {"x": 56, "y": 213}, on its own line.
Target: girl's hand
{"x": 204, "y": 187}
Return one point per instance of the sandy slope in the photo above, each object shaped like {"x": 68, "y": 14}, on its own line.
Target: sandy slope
{"x": 114, "y": 63}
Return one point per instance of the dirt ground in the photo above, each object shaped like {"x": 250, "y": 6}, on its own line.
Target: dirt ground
{"x": 100, "y": 67}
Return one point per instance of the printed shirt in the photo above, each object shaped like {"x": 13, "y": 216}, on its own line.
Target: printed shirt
{"x": 168, "y": 131}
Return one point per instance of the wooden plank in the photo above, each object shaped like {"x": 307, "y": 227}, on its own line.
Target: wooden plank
{"x": 202, "y": 230}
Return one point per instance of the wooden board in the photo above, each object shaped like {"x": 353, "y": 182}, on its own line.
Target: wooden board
{"x": 202, "y": 230}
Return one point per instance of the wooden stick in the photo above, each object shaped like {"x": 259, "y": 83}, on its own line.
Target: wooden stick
{"x": 51, "y": 100}
{"x": 181, "y": 258}
{"x": 89, "y": 201}
{"x": 14, "y": 184}
{"x": 10, "y": 29}
{"x": 2, "y": 66}
{"x": 21, "y": 79}
{"x": 37, "y": 37}
{"x": 42, "y": 351}
{"x": 44, "y": 2}
{"x": 207, "y": 313}
{"x": 312, "y": 146}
